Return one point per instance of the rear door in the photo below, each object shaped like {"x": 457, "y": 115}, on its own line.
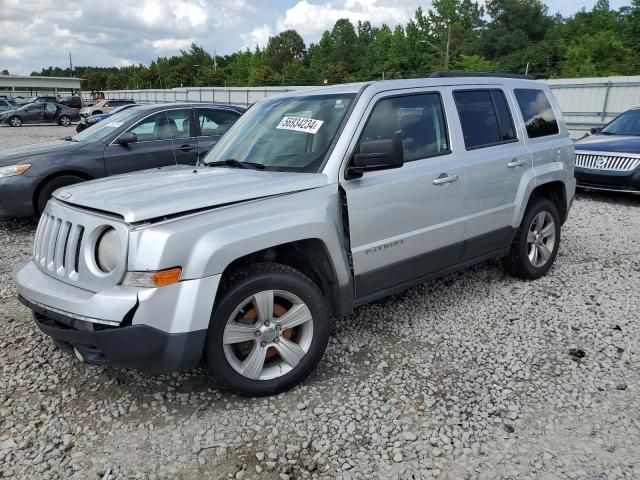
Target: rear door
{"x": 408, "y": 222}
{"x": 495, "y": 158}
{"x": 212, "y": 123}
{"x": 164, "y": 138}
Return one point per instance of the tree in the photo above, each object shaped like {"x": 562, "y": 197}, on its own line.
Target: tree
{"x": 5, "y": 72}
{"x": 285, "y": 48}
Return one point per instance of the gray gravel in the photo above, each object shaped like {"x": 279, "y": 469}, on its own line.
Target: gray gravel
{"x": 466, "y": 377}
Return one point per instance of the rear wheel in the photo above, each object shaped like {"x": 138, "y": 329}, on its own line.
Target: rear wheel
{"x": 268, "y": 330}
{"x": 15, "y": 121}
{"x": 65, "y": 120}
{"x": 51, "y": 186}
{"x": 535, "y": 246}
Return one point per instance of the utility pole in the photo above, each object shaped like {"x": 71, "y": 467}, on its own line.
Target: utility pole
{"x": 446, "y": 55}
{"x": 215, "y": 63}
{"x": 70, "y": 65}
{"x": 526, "y": 71}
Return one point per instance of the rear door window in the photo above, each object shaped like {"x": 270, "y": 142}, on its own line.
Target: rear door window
{"x": 537, "y": 113}
{"x": 485, "y": 118}
{"x": 165, "y": 125}
{"x": 215, "y": 122}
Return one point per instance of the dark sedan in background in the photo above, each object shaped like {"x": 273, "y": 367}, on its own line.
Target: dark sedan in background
{"x": 609, "y": 159}
{"x": 86, "y": 122}
{"x": 141, "y": 137}
{"x": 40, "y": 112}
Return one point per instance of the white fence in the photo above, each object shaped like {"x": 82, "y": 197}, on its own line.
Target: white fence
{"x": 585, "y": 102}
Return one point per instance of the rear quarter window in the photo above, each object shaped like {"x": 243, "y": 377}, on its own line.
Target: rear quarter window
{"x": 537, "y": 113}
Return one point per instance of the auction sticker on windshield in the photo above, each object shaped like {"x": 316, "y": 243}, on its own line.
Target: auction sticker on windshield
{"x": 300, "y": 124}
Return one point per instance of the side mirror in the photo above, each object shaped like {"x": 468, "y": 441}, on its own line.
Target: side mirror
{"x": 373, "y": 155}
{"x": 595, "y": 130}
{"x": 127, "y": 137}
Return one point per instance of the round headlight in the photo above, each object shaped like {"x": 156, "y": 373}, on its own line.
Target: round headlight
{"x": 108, "y": 250}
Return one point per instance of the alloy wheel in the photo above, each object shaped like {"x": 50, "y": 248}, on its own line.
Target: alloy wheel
{"x": 541, "y": 239}
{"x": 65, "y": 121}
{"x": 15, "y": 122}
{"x": 268, "y": 335}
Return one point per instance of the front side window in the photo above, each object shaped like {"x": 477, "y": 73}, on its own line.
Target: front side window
{"x": 215, "y": 122}
{"x": 35, "y": 107}
{"x": 165, "y": 125}
{"x": 292, "y": 134}
{"x": 537, "y": 113}
{"x": 485, "y": 118}
{"x": 416, "y": 120}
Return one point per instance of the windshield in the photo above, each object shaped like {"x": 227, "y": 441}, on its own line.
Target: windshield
{"x": 626, "y": 124}
{"x": 102, "y": 130}
{"x": 284, "y": 134}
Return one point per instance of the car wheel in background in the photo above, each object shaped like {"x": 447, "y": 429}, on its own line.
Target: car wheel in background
{"x": 65, "y": 120}
{"x": 15, "y": 121}
{"x": 268, "y": 330}
{"x": 97, "y": 112}
{"x": 535, "y": 246}
{"x": 46, "y": 190}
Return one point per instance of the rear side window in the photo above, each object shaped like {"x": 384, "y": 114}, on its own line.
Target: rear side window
{"x": 485, "y": 118}
{"x": 416, "y": 120}
{"x": 537, "y": 113}
{"x": 215, "y": 122}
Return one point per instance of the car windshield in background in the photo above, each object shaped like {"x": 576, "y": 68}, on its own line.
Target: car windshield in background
{"x": 105, "y": 128}
{"x": 626, "y": 124}
{"x": 286, "y": 134}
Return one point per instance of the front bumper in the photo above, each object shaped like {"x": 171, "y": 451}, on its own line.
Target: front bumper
{"x": 608, "y": 180}
{"x": 134, "y": 346}
{"x": 154, "y": 329}
{"x": 16, "y": 195}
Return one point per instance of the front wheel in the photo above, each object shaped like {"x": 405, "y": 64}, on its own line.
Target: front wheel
{"x": 268, "y": 330}
{"x": 65, "y": 120}
{"x": 535, "y": 246}
{"x": 15, "y": 121}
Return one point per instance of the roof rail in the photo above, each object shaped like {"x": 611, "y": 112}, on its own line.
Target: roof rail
{"x": 479, "y": 74}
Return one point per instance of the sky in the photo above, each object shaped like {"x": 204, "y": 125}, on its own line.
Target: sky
{"x": 40, "y": 33}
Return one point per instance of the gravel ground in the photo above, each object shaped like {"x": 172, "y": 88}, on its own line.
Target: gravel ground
{"x": 466, "y": 377}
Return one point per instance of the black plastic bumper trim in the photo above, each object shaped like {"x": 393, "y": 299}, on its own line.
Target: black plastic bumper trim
{"x": 135, "y": 346}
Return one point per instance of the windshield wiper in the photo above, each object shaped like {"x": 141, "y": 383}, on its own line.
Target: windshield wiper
{"x": 232, "y": 162}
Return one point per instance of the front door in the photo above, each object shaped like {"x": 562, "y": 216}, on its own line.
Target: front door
{"x": 406, "y": 223}
{"x": 163, "y": 138}
{"x": 496, "y": 158}
{"x": 34, "y": 113}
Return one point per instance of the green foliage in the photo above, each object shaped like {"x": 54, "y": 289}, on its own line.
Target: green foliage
{"x": 502, "y": 35}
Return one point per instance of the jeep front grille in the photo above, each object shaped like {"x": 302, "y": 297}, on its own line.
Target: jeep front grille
{"x": 57, "y": 246}
{"x": 596, "y": 161}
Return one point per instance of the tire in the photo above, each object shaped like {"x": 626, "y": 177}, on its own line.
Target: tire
{"x": 97, "y": 112}
{"x": 535, "y": 246}
{"x": 238, "y": 334}
{"x": 15, "y": 121}
{"x": 45, "y": 192}
{"x": 64, "y": 120}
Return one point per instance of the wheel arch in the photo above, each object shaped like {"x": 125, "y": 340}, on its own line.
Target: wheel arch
{"x": 76, "y": 173}
{"x": 556, "y": 191}
{"x": 310, "y": 256}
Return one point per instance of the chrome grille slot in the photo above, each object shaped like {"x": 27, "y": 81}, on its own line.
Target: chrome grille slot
{"x": 57, "y": 246}
{"x": 608, "y": 162}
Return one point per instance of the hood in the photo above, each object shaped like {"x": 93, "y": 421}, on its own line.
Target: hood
{"x": 34, "y": 151}
{"x": 610, "y": 143}
{"x": 148, "y": 194}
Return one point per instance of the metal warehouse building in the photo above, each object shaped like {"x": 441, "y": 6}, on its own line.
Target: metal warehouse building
{"x": 17, "y": 83}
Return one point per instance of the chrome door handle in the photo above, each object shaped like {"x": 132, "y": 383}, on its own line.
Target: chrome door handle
{"x": 444, "y": 178}
{"x": 516, "y": 163}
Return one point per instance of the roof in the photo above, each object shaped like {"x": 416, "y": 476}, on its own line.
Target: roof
{"x": 161, "y": 106}
{"x": 28, "y": 81}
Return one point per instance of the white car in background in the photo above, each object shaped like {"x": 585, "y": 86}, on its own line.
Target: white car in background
{"x": 103, "y": 106}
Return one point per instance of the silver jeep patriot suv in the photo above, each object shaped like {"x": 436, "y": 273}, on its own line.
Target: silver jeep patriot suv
{"x": 315, "y": 202}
